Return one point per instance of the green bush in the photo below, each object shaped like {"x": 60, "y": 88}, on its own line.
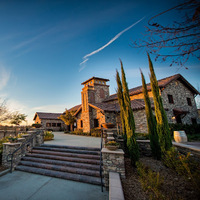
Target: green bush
{"x": 195, "y": 137}
{"x": 151, "y": 181}
{"x": 96, "y": 132}
{"x": 48, "y": 135}
{"x": 191, "y": 129}
{"x": 183, "y": 165}
{"x": 142, "y": 136}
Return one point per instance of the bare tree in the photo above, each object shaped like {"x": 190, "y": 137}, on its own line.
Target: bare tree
{"x": 177, "y": 41}
{"x": 5, "y": 114}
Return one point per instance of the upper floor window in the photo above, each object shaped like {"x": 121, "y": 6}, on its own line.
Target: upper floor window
{"x": 170, "y": 98}
{"x": 92, "y": 98}
{"x": 189, "y": 102}
{"x": 102, "y": 94}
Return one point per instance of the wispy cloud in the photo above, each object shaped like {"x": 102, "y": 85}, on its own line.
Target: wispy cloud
{"x": 49, "y": 108}
{"x": 33, "y": 39}
{"x": 4, "y": 77}
{"x": 86, "y": 57}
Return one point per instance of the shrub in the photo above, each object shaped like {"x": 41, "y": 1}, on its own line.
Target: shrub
{"x": 96, "y": 132}
{"x": 142, "y": 136}
{"x": 191, "y": 129}
{"x": 37, "y": 125}
{"x": 112, "y": 143}
{"x": 48, "y": 135}
{"x": 151, "y": 181}
{"x": 183, "y": 165}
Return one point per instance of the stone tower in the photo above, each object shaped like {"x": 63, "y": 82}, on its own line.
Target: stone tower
{"x": 94, "y": 91}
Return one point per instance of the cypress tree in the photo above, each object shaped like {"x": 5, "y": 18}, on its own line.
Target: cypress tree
{"x": 129, "y": 121}
{"x": 121, "y": 103}
{"x": 161, "y": 117}
{"x": 151, "y": 122}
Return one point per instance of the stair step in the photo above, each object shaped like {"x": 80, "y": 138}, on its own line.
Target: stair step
{"x": 71, "y": 159}
{"x": 63, "y": 175}
{"x": 47, "y": 152}
{"x": 71, "y": 147}
{"x": 61, "y": 168}
{"x": 79, "y": 151}
{"x": 63, "y": 163}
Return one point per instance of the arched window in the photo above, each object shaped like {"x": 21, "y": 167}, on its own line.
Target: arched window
{"x": 92, "y": 97}
{"x": 102, "y": 94}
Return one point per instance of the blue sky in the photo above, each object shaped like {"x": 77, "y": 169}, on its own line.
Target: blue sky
{"x": 42, "y": 44}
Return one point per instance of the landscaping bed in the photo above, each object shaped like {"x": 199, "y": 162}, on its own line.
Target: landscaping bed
{"x": 2, "y": 168}
{"x": 173, "y": 187}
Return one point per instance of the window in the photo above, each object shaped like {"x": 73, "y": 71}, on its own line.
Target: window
{"x": 96, "y": 123}
{"x": 53, "y": 124}
{"x": 194, "y": 120}
{"x": 189, "y": 102}
{"x": 48, "y": 124}
{"x": 170, "y": 98}
{"x": 178, "y": 119}
{"x": 92, "y": 98}
{"x": 102, "y": 94}
{"x": 81, "y": 123}
{"x": 58, "y": 124}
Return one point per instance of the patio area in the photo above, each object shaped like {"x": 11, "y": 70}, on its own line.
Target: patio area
{"x": 60, "y": 138}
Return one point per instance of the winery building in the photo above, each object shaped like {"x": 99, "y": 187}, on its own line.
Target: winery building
{"x": 98, "y": 106}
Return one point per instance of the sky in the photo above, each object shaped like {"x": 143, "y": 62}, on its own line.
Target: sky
{"x": 48, "y": 48}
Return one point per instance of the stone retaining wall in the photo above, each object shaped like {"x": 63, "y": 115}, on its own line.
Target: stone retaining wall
{"x": 113, "y": 161}
{"x": 145, "y": 149}
{"x": 9, "y": 148}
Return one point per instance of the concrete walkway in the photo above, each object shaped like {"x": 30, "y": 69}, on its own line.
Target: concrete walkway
{"x": 74, "y": 140}
{"x": 26, "y": 186}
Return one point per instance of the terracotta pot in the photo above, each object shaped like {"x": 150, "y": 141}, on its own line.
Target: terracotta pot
{"x": 108, "y": 125}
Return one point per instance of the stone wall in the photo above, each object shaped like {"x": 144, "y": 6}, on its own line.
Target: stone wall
{"x": 145, "y": 149}
{"x": 9, "y": 148}
{"x": 185, "y": 149}
{"x": 97, "y": 89}
{"x": 45, "y": 121}
{"x": 140, "y": 121}
{"x": 110, "y": 117}
{"x": 113, "y": 161}
{"x": 180, "y": 94}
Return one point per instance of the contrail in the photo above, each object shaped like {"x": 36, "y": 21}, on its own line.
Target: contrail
{"x": 86, "y": 57}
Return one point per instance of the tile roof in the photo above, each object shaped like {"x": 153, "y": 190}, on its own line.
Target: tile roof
{"x": 161, "y": 83}
{"x": 43, "y": 115}
{"x": 75, "y": 108}
{"x": 136, "y": 104}
{"x": 95, "y": 78}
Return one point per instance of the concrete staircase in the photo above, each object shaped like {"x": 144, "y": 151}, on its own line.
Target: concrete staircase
{"x": 67, "y": 162}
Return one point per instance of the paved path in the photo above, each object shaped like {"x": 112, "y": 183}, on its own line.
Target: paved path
{"x": 74, "y": 140}
{"x": 26, "y": 186}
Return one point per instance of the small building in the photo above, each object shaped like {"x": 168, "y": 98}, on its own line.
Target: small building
{"x": 49, "y": 121}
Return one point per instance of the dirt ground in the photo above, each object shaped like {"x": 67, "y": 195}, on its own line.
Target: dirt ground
{"x": 174, "y": 187}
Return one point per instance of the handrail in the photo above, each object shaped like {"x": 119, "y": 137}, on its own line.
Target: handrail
{"x": 21, "y": 146}
{"x": 100, "y": 168}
